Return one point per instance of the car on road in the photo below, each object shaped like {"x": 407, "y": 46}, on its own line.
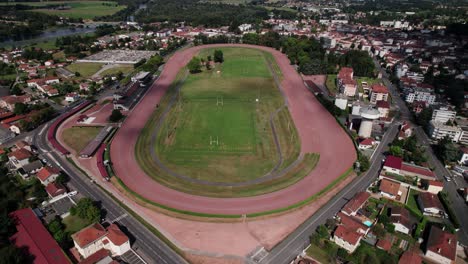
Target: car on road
{"x": 447, "y": 178}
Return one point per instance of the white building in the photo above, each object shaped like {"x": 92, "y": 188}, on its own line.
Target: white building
{"x": 439, "y": 130}
{"x": 245, "y": 27}
{"x": 19, "y": 158}
{"x": 95, "y": 237}
{"x": 443, "y": 114}
{"x": 341, "y": 102}
{"x": 464, "y": 158}
{"x": 422, "y": 96}
{"x": 400, "y": 219}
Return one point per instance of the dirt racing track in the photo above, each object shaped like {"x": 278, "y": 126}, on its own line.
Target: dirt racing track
{"x": 318, "y": 130}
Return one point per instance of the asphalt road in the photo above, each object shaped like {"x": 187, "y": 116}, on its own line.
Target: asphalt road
{"x": 145, "y": 243}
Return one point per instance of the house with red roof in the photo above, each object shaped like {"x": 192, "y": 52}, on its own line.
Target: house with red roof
{"x": 349, "y": 232}
{"x": 378, "y": 92}
{"x": 54, "y": 189}
{"x": 383, "y": 107}
{"x": 345, "y": 82}
{"x": 441, "y": 246}
{"x": 384, "y": 244}
{"x": 396, "y": 165}
{"x": 410, "y": 256}
{"x": 19, "y": 157}
{"x": 35, "y": 238}
{"x": 430, "y": 205}
{"x": 400, "y": 218}
{"x": 9, "y": 101}
{"x": 434, "y": 186}
{"x": 47, "y": 175}
{"x": 367, "y": 143}
{"x": 389, "y": 189}
{"x": 405, "y": 131}
{"x": 95, "y": 237}
{"x": 355, "y": 204}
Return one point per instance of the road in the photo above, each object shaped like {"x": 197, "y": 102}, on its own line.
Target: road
{"x": 149, "y": 246}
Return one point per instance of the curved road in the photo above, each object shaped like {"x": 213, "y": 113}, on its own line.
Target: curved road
{"x": 319, "y": 132}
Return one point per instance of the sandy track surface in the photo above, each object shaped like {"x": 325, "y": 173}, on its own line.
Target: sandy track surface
{"x": 318, "y": 130}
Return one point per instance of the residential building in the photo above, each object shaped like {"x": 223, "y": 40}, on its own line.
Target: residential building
{"x": 464, "y": 158}
{"x": 366, "y": 143}
{"x": 341, "y": 101}
{"x": 393, "y": 164}
{"x": 410, "y": 257}
{"x": 384, "y": 108}
{"x": 441, "y": 246}
{"x": 72, "y": 97}
{"x": 439, "y": 130}
{"x": 355, "y": 204}
{"x": 430, "y": 205}
{"x": 384, "y": 244}
{"x": 421, "y": 96}
{"x": 400, "y": 218}
{"x": 434, "y": 186}
{"x": 34, "y": 237}
{"x": 19, "y": 158}
{"x": 405, "y": 131}
{"x": 349, "y": 233}
{"x": 443, "y": 114}
{"x": 9, "y": 101}
{"x": 55, "y": 189}
{"x": 95, "y": 237}
{"x": 378, "y": 93}
{"x": 47, "y": 175}
{"x": 389, "y": 189}
{"x": 397, "y": 166}
{"x": 345, "y": 82}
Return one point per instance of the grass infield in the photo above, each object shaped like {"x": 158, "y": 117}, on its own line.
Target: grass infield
{"x": 86, "y": 69}
{"x": 217, "y": 131}
{"x": 78, "y": 137}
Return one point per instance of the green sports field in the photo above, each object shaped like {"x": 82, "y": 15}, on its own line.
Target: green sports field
{"x": 219, "y": 129}
{"x": 78, "y": 9}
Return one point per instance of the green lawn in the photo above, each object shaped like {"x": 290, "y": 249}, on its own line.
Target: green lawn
{"x": 412, "y": 203}
{"x": 86, "y": 69}
{"x": 79, "y": 9}
{"x": 218, "y": 132}
{"x": 318, "y": 254}
{"x": 125, "y": 69}
{"x": 74, "y": 224}
{"x": 331, "y": 84}
{"x": 78, "y": 137}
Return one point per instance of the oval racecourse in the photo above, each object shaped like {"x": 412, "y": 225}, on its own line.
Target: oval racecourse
{"x": 317, "y": 129}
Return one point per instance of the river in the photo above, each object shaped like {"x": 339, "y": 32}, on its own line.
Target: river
{"x": 49, "y": 35}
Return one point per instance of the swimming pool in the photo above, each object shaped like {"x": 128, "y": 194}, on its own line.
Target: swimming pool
{"x": 368, "y": 223}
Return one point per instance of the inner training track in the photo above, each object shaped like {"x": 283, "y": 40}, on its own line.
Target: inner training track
{"x": 318, "y": 130}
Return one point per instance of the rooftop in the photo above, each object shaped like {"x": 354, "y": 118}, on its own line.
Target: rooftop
{"x": 430, "y": 200}
{"x": 390, "y": 187}
{"x": 442, "y": 243}
{"x": 378, "y": 88}
{"x": 393, "y": 162}
{"x": 89, "y": 234}
{"x": 356, "y": 202}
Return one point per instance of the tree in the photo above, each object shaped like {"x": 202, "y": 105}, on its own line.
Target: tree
{"x": 395, "y": 151}
{"x": 322, "y": 232}
{"x": 13, "y": 255}
{"x": 218, "y": 56}
{"x": 20, "y": 109}
{"x": 16, "y": 90}
{"x": 115, "y": 116}
{"x": 86, "y": 209}
{"x": 194, "y": 65}
{"x": 208, "y": 65}
{"x": 77, "y": 74}
{"x": 447, "y": 150}
{"x": 61, "y": 179}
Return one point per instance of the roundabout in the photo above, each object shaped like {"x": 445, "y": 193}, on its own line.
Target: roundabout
{"x": 242, "y": 137}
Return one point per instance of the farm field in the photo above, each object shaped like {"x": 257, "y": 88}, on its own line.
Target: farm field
{"x": 217, "y": 132}
{"x": 78, "y": 137}
{"x": 78, "y": 9}
{"x": 86, "y": 69}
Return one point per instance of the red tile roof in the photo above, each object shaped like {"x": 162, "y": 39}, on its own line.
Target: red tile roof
{"x": 89, "y": 234}
{"x": 410, "y": 257}
{"x": 436, "y": 183}
{"x": 417, "y": 170}
{"x": 20, "y": 154}
{"x": 382, "y": 104}
{"x": 442, "y": 243}
{"x": 356, "y": 202}
{"x": 384, "y": 244}
{"x": 46, "y": 172}
{"x": 55, "y": 189}
{"x": 367, "y": 142}
{"x": 347, "y": 235}
{"x": 33, "y": 236}
{"x": 400, "y": 215}
{"x": 378, "y": 88}
{"x": 393, "y": 162}
{"x": 115, "y": 235}
{"x": 430, "y": 200}
{"x": 390, "y": 187}
{"x": 352, "y": 223}
{"x": 96, "y": 257}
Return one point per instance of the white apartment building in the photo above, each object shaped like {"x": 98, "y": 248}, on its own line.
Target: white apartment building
{"x": 421, "y": 96}
{"x": 438, "y": 130}
{"x": 443, "y": 114}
